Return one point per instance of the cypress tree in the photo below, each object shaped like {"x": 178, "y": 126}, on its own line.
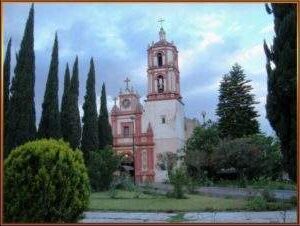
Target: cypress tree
{"x": 237, "y": 116}
{"x": 104, "y": 128}
{"x": 6, "y": 71}
{"x": 21, "y": 112}
{"x": 50, "y": 123}
{"x": 64, "y": 105}
{"x": 89, "y": 140}
{"x": 281, "y": 98}
{"x": 74, "y": 126}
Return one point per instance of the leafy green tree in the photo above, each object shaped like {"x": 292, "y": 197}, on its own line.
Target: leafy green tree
{"x": 271, "y": 162}
{"x": 104, "y": 128}
{"x": 50, "y": 123}
{"x": 102, "y": 165}
{"x": 21, "y": 112}
{"x": 74, "y": 126}
{"x": 282, "y": 79}
{"x": 45, "y": 181}
{"x": 199, "y": 150}
{"x": 6, "y": 75}
{"x": 64, "y": 105}
{"x": 252, "y": 157}
{"x": 89, "y": 140}
{"x": 237, "y": 116}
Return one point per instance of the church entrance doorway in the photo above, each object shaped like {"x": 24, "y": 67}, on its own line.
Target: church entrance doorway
{"x": 127, "y": 166}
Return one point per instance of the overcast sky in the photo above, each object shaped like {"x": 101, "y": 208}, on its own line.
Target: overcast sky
{"x": 210, "y": 38}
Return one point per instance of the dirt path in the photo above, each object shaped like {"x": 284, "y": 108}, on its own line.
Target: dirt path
{"x": 192, "y": 217}
{"x": 230, "y": 191}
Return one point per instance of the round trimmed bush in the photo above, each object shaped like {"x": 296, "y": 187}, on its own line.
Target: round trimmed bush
{"x": 45, "y": 181}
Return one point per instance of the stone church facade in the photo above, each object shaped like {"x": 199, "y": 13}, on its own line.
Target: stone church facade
{"x": 144, "y": 133}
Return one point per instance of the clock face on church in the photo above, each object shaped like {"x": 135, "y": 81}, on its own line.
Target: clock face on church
{"x": 126, "y": 103}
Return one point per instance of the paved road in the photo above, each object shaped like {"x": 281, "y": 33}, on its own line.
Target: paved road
{"x": 230, "y": 191}
{"x": 192, "y": 217}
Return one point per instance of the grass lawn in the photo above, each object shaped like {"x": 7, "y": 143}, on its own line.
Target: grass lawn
{"x": 126, "y": 201}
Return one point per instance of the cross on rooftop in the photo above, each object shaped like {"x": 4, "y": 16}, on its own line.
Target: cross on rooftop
{"x": 127, "y": 80}
{"x": 161, "y": 20}
{"x": 115, "y": 100}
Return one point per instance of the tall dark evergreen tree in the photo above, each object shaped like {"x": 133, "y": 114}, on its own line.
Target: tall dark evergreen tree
{"x": 89, "y": 140}
{"x": 6, "y": 71}
{"x": 104, "y": 128}
{"x": 282, "y": 77}
{"x": 50, "y": 123}
{"x": 74, "y": 126}
{"x": 21, "y": 112}
{"x": 237, "y": 116}
{"x": 64, "y": 105}
{"x": 6, "y": 75}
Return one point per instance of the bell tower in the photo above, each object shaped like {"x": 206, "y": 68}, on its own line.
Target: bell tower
{"x": 164, "y": 108}
{"x": 163, "y": 72}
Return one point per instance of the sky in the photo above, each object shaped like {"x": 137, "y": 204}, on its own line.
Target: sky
{"x": 210, "y": 38}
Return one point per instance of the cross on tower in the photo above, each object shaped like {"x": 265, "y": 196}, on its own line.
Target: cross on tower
{"x": 115, "y": 100}
{"x": 127, "y": 80}
{"x": 161, "y": 20}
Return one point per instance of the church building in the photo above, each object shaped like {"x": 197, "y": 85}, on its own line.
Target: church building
{"x": 144, "y": 133}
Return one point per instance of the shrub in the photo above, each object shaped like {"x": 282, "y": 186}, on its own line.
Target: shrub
{"x": 242, "y": 182}
{"x": 293, "y": 200}
{"x": 192, "y": 185}
{"x": 124, "y": 182}
{"x": 204, "y": 180}
{"x": 268, "y": 195}
{"x": 257, "y": 203}
{"x": 101, "y": 166}
{"x": 45, "y": 181}
{"x": 178, "y": 179}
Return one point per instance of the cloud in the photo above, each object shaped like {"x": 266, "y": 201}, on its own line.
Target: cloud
{"x": 248, "y": 54}
{"x": 209, "y": 38}
{"x": 189, "y": 56}
{"x": 267, "y": 29}
{"x": 234, "y": 27}
{"x": 203, "y": 89}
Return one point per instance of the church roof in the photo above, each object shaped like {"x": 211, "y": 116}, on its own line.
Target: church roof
{"x": 162, "y": 40}
{"x": 163, "y": 43}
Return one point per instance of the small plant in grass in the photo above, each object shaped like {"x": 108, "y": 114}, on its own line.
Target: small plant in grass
{"x": 178, "y": 179}
{"x": 147, "y": 188}
{"x": 125, "y": 182}
{"x": 113, "y": 193}
{"x": 257, "y": 203}
{"x": 137, "y": 192}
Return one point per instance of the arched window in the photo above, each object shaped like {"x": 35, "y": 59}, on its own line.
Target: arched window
{"x": 159, "y": 59}
{"x": 144, "y": 160}
{"x": 160, "y": 84}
